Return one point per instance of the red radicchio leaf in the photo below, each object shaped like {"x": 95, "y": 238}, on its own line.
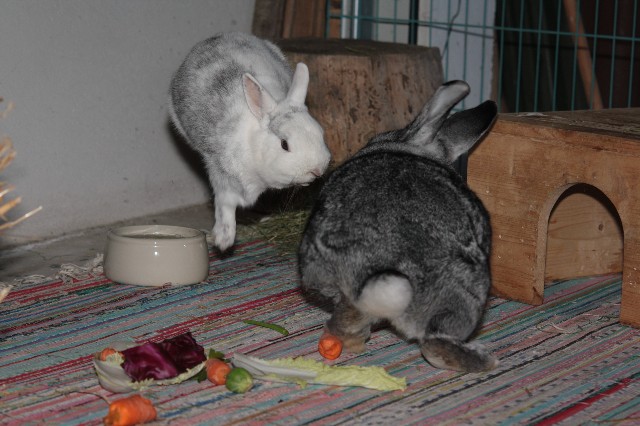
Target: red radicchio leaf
{"x": 185, "y": 351}
{"x": 163, "y": 360}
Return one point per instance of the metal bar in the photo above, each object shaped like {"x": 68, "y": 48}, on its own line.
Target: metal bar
{"x": 482, "y": 61}
{"x": 414, "y": 18}
{"x": 519, "y": 66}
{"x": 465, "y": 50}
{"x": 536, "y": 88}
{"x": 633, "y": 53}
{"x": 594, "y": 80}
{"x": 355, "y": 22}
{"x": 573, "y": 17}
{"x": 557, "y": 53}
{"x": 430, "y": 27}
{"x": 501, "y": 60}
{"x": 446, "y": 51}
{"x": 613, "y": 53}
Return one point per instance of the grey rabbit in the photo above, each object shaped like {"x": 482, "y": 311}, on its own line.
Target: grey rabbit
{"x": 237, "y": 102}
{"x": 396, "y": 234}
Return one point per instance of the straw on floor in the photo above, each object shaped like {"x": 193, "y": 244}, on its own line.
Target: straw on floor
{"x": 567, "y": 360}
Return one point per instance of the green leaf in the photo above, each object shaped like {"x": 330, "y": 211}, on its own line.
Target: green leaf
{"x": 201, "y": 376}
{"x": 271, "y": 326}
{"x": 213, "y": 354}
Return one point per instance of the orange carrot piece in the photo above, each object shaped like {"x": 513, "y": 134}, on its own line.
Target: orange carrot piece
{"x": 217, "y": 371}
{"x": 106, "y": 352}
{"x": 129, "y": 411}
{"x": 329, "y": 346}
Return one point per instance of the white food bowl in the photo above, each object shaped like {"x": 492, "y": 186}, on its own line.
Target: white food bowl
{"x": 154, "y": 255}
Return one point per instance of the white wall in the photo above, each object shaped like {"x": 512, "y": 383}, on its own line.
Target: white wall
{"x": 89, "y": 81}
{"x": 467, "y": 50}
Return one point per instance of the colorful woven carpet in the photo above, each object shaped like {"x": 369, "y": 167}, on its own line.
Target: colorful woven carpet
{"x": 568, "y": 360}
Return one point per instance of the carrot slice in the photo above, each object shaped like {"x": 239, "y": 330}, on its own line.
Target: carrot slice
{"x": 129, "y": 411}
{"x": 106, "y": 352}
{"x": 329, "y": 346}
{"x": 217, "y": 371}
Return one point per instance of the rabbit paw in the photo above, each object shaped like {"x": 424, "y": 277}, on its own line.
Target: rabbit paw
{"x": 354, "y": 344}
{"x": 224, "y": 234}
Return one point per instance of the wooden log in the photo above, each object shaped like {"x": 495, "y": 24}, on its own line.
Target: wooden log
{"x": 359, "y": 88}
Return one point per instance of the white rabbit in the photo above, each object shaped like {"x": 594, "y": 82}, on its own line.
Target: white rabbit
{"x": 237, "y": 102}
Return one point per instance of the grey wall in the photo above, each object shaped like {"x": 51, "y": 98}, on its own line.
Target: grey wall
{"x": 89, "y": 82}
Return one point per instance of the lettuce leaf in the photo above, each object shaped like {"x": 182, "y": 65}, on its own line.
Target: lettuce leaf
{"x": 304, "y": 370}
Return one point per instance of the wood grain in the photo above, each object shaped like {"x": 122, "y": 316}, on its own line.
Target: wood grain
{"x": 521, "y": 170}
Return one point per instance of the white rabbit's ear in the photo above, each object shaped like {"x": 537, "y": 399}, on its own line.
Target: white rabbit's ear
{"x": 260, "y": 102}
{"x": 299, "y": 84}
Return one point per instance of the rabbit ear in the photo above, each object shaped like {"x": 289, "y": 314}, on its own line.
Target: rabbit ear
{"x": 463, "y": 130}
{"x": 448, "y": 138}
{"x": 299, "y": 84}
{"x": 260, "y": 102}
{"x": 424, "y": 127}
{"x": 445, "y": 98}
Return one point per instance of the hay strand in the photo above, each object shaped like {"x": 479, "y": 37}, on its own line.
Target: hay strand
{"x": 283, "y": 229}
{"x": 7, "y": 154}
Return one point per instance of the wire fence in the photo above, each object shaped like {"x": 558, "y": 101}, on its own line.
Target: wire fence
{"x": 528, "y": 55}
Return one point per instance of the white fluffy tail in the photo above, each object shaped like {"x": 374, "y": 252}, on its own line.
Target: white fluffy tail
{"x": 385, "y": 296}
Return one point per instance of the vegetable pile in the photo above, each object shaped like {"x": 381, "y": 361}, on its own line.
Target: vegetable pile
{"x": 168, "y": 362}
{"x": 180, "y": 358}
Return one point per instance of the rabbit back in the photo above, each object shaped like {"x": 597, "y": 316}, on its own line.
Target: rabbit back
{"x": 208, "y": 85}
{"x": 420, "y": 217}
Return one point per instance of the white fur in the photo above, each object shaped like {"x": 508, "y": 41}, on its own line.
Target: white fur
{"x": 262, "y": 107}
{"x": 385, "y": 296}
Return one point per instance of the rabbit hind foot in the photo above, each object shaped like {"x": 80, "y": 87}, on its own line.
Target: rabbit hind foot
{"x": 452, "y": 354}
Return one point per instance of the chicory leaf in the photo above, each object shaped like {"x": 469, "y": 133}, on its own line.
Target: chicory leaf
{"x": 163, "y": 360}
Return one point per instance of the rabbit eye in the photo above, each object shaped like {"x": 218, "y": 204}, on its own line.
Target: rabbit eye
{"x": 284, "y": 144}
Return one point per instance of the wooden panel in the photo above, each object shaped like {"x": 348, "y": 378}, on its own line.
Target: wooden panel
{"x": 305, "y": 18}
{"x": 268, "y": 18}
{"x": 276, "y": 19}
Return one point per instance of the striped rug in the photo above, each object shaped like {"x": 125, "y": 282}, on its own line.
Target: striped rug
{"x": 568, "y": 361}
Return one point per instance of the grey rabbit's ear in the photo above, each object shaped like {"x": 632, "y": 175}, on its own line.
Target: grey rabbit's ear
{"x": 423, "y": 128}
{"x": 260, "y": 102}
{"x": 299, "y": 84}
{"x": 448, "y": 138}
{"x": 463, "y": 130}
{"x": 445, "y": 98}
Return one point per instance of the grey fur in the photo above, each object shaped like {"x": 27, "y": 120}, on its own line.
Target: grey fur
{"x": 234, "y": 99}
{"x": 398, "y": 212}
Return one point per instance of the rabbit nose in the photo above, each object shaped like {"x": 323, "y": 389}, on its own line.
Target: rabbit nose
{"x": 316, "y": 172}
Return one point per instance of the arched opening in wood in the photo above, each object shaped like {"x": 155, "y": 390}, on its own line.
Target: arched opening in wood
{"x": 584, "y": 235}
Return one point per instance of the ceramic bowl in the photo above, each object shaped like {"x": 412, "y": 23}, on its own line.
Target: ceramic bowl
{"x": 154, "y": 255}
